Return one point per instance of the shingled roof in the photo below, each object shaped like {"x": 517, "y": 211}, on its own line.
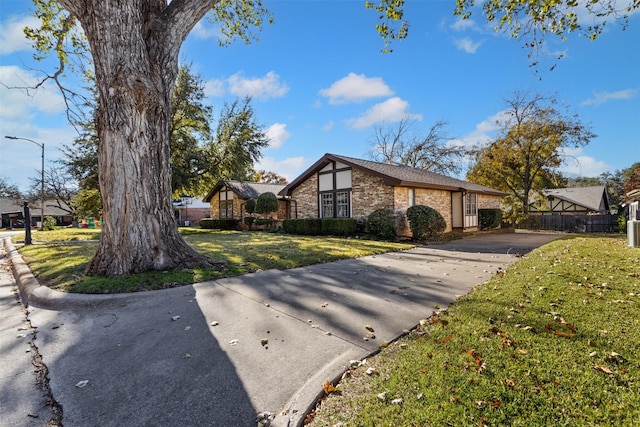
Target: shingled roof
{"x": 395, "y": 175}
{"x": 244, "y": 189}
{"x": 592, "y": 198}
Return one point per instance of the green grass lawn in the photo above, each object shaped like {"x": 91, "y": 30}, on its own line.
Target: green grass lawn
{"x": 553, "y": 341}
{"x": 58, "y": 258}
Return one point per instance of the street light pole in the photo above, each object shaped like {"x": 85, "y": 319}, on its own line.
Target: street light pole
{"x": 41, "y": 145}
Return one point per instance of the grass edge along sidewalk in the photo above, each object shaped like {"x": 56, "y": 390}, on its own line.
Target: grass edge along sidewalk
{"x": 555, "y": 340}
{"x": 58, "y": 258}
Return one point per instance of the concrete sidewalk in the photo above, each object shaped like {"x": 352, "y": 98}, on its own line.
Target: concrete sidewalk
{"x": 218, "y": 353}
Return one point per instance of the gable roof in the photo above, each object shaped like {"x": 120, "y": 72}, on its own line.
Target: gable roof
{"x": 394, "y": 175}
{"x": 244, "y": 189}
{"x": 592, "y": 198}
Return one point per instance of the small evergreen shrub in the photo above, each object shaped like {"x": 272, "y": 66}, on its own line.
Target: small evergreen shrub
{"x": 320, "y": 226}
{"x": 267, "y": 203}
{"x": 220, "y": 224}
{"x": 250, "y": 206}
{"x": 425, "y": 222}
{"x": 489, "y": 218}
{"x": 249, "y": 221}
{"x": 266, "y": 222}
{"x": 49, "y": 223}
{"x": 382, "y": 224}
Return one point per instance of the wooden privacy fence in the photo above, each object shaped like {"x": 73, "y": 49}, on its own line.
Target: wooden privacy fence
{"x": 572, "y": 223}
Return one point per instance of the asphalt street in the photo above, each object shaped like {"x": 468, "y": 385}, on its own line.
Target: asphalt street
{"x": 221, "y": 352}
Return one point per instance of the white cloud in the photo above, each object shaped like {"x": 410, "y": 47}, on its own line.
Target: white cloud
{"x": 328, "y": 126}
{"x": 391, "y": 110}
{"x": 290, "y": 168}
{"x": 467, "y": 45}
{"x": 602, "y": 97}
{"x": 204, "y": 31}
{"x": 483, "y": 133}
{"x": 463, "y": 25}
{"x": 577, "y": 163}
{"x": 277, "y": 134}
{"x": 262, "y": 88}
{"x": 214, "y": 87}
{"x": 12, "y": 38}
{"x": 356, "y": 88}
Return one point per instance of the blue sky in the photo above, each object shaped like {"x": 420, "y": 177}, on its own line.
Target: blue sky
{"x": 320, "y": 83}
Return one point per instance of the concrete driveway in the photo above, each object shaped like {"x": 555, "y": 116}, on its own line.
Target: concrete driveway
{"x": 218, "y": 353}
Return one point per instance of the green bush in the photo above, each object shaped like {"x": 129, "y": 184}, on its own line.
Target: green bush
{"x": 249, "y": 220}
{"x": 489, "y": 218}
{"x": 49, "y": 223}
{"x": 267, "y": 222}
{"x": 425, "y": 222}
{"x": 220, "y": 224}
{"x": 267, "y": 203}
{"x": 382, "y": 224}
{"x": 622, "y": 223}
{"x": 320, "y": 226}
{"x": 250, "y": 206}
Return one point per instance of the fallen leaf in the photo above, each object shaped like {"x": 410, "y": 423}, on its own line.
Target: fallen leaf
{"x": 446, "y": 339}
{"x": 174, "y": 318}
{"x": 382, "y": 396}
{"x": 215, "y": 323}
{"x": 82, "y": 384}
{"x": 369, "y": 328}
{"x": 233, "y": 342}
{"x": 397, "y": 401}
{"x": 564, "y": 334}
{"x": 495, "y": 404}
{"x": 328, "y": 388}
{"x": 603, "y": 369}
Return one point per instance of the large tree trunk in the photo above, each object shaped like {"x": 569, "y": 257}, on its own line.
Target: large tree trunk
{"x": 135, "y": 55}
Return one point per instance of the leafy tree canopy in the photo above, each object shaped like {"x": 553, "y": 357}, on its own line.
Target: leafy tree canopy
{"x": 526, "y": 155}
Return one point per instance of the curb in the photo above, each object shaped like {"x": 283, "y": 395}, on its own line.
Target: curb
{"x": 32, "y": 292}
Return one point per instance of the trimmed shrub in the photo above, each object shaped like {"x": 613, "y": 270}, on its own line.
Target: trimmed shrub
{"x": 250, "y": 206}
{"x": 320, "y": 227}
{"x": 382, "y": 224}
{"x": 220, "y": 224}
{"x": 267, "y": 203}
{"x": 425, "y": 222}
{"x": 268, "y": 222}
{"x": 489, "y": 218}
{"x": 49, "y": 223}
{"x": 249, "y": 220}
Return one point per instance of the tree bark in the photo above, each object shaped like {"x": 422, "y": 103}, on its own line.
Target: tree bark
{"x": 135, "y": 46}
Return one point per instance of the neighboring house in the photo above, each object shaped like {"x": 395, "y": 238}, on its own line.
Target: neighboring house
{"x": 571, "y": 201}
{"x": 344, "y": 187}
{"x": 10, "y": 208}
{"x": 227, "y": 199}
{"x": 633, "y": 203}
{"x": 191, "y": 210}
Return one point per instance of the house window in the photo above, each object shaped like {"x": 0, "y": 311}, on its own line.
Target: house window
{"x": 412, "y": 197}
{"x": 471, "y": 206}
{"x": 334, "y": 186}
{"x": 226, "y": 204}
{"x": 326, "y": 205}
{"x": 342, "y": 205}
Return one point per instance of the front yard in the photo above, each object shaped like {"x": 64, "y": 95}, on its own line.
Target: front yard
{"x": 58, "y": 258}
{"x": 553, "y": 341}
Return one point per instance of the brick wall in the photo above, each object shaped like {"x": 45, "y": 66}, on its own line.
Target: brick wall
{"x": 439, "y": 200}
{"x": 306, "y": 197}
{"x": 368, "y": 193}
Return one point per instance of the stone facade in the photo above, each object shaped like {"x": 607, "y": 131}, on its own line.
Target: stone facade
{"x": 305, "y": 198}
{"x": 439, "y": 200}
{"x": 368, "y": 193}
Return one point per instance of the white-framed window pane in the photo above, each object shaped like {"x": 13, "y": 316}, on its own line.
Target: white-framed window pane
{"x": 326, "y": 201}
{"x": 471, "y": 204}
{"x": 342, "y": 205}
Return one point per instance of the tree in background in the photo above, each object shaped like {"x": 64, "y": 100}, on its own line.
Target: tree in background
{"x": 270, "y": 177}
{"x": 632, "y": 178}
{"x": 398, "y": 144}
{"x": 525, "y": 157}
{"x": 237, "y": 142}
{"x": 59, "y": 188}
{"x": 9, "y": 190}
